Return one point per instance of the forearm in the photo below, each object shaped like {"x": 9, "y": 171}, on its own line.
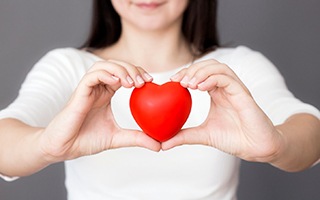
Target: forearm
{"x": 20, "y": 149}
{"x": 301, "y": 138}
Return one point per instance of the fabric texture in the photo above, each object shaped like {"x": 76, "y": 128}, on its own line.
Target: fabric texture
{"x": 185, "y": 172}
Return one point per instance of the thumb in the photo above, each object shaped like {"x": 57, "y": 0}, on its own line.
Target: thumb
{"x": 134, "y": 138}
{"x": 186, "y": 136}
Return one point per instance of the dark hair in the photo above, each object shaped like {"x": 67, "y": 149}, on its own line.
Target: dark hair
{"x": 199, "y": 25}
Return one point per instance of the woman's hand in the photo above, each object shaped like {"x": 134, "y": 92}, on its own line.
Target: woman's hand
{"x": 86, "y": 125}
{"x": 235, "y": 123}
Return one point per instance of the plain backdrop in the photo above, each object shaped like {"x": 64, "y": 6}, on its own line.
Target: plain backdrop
{"x": 286, "y": 31}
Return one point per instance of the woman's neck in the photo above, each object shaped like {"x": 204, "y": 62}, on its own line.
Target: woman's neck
{"x": 155, "y": 51}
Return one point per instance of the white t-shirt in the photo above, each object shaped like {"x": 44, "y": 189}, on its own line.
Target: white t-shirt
{"x": 185, "y": 172}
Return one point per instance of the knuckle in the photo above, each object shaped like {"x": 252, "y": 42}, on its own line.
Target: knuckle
{"x": 213, "y": 61}
{"x": 95, "y": 66}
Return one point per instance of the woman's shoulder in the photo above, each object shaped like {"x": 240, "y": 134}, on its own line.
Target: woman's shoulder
{"x": 230, "y": 53}
{"x": 239, "y": 58}
{"x": 70, "y": 52}
{"x": 68, "y": 57}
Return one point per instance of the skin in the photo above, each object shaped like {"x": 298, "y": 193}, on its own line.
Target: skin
{"x": 236, "y": 124}
{"x": 86, "y": 125}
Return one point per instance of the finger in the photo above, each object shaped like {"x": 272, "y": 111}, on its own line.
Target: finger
{"x": 131, "y": 138}
{"x": 186, "y": 75}
{"x": 179, "y": 75}
{"x": 137, "y": 74}
{"x": 186, "y": 136}
{"x": 220, "y": 68}
{"x": 86, "y": 88}
{"x": 134, "y": 71}
{"x": 198, "y": 72}
{"x": 98, "y": 77}
{"x": 116, "y": 70}
{"x": 145, "y": 75}
{"x": 230, "y": 86}
{"x": 209, "y": 70}
{"x": 232, "y": 90}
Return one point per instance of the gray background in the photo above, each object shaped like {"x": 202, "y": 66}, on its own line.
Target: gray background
{"x": 286, "y": 31}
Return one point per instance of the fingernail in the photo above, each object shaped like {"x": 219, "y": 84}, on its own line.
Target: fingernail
{"x": 185, "y": 80}
{"x": 174, "y": 77}
{"x": 148, "y": 77}
{"x": 140, "y": 80}
{"x": 201, "y": 84}
{"x": 115, "y": 78}
{"x": 129, "y": 79}
{"x": 192, "y": 81}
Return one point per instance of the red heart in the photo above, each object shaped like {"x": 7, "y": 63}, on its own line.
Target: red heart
{"x": 161, "y": 110}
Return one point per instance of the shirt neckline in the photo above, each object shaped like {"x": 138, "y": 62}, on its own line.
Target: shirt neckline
{"x": 162, "y": 73}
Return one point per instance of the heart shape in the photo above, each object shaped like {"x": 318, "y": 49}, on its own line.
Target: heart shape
{"x": 161, "y": 110}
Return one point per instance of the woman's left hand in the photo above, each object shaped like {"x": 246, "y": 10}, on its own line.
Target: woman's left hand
{"x": 235, "y": 123}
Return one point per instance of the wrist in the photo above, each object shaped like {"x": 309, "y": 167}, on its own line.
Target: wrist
{"x": 27, "y": 152}
{"x": 39, "y": 158}
{"x": 286, "y": 156}
{"x": 48, "y": 153}
{"x": 277, "y": 157}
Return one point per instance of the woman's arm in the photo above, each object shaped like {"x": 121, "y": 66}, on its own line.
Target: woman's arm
{"x": 85, "y": 126}
{"x": 237, "y": 125}
{"x": 20, "y": 149}
{"x": 300, "y": 148}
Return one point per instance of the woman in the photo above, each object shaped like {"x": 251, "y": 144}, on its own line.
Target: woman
{"x": 74, "y": 103}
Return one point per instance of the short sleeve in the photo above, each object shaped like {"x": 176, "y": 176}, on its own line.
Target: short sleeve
{"x": 46, "y": 88}
{"x": 8, "y": 179}
{"x": 268, "y": 86}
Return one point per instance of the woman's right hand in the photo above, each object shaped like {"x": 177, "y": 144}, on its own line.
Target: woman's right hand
{"x": 86, "y": 125}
